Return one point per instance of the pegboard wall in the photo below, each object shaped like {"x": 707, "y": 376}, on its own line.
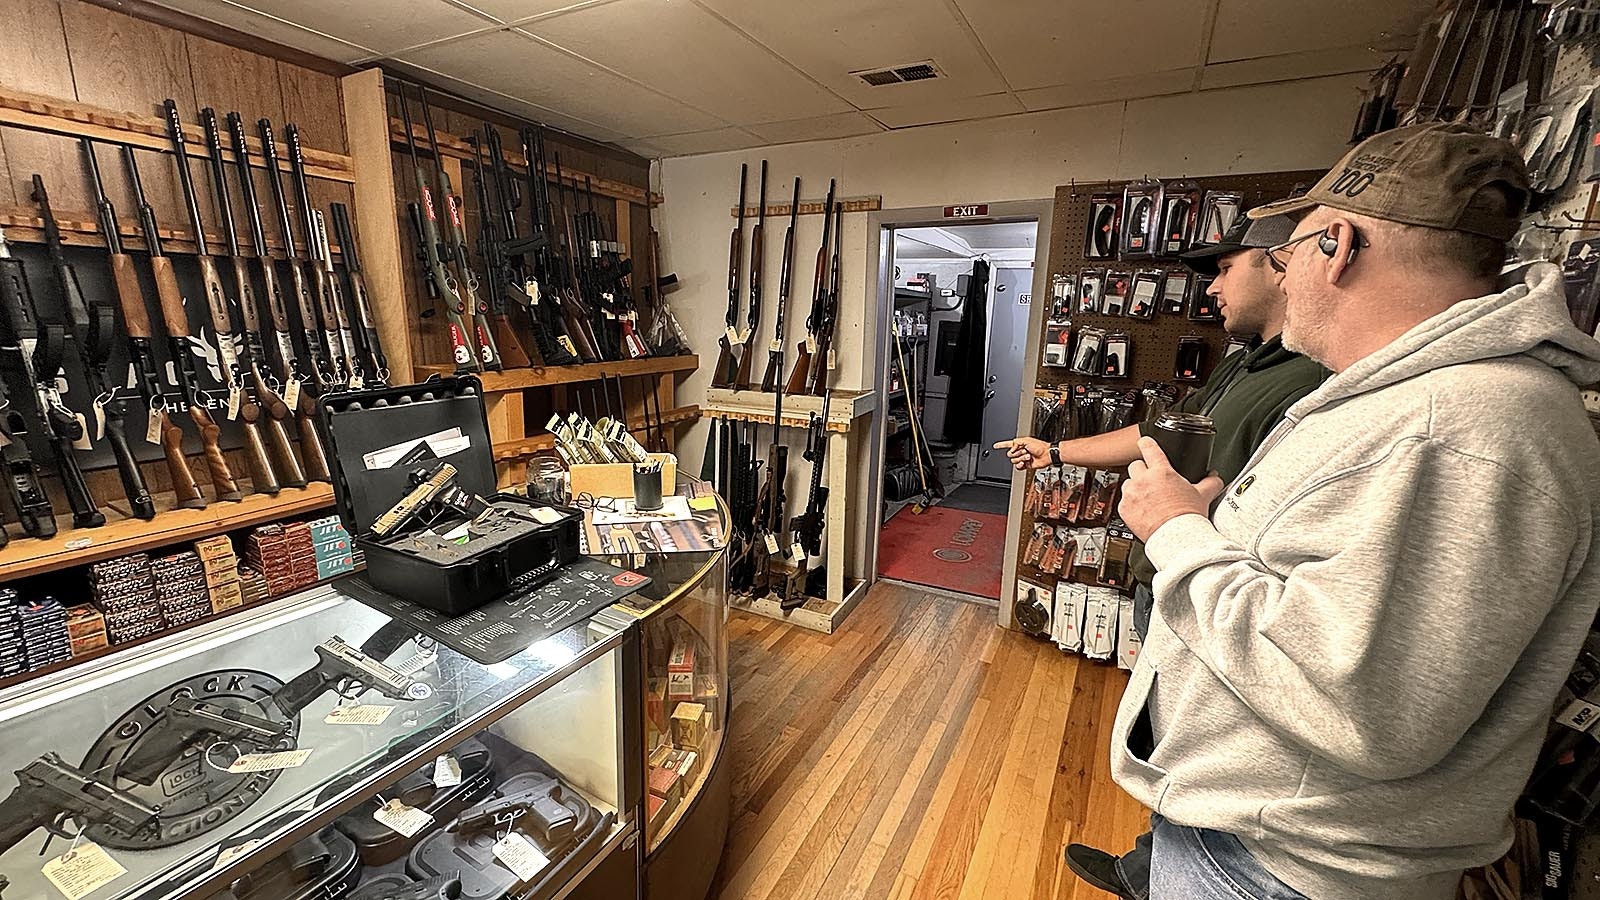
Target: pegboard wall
{"x": 1154, "y": 341}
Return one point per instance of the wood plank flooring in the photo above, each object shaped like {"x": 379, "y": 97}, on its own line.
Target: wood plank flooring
{"x": 920, "y": 753}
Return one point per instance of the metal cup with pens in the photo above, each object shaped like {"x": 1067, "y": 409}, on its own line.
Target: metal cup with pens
{"x": 647, "y": 485}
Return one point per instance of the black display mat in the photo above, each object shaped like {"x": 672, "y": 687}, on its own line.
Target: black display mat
{"x": 502, "y": 628}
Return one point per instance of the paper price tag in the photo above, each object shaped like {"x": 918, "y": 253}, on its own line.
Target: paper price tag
{"x": 776, "y": 345}
{"x": 531, "y": 288}
{"x": 521, "y": 857}
{"x": 291, "y": 393}
{"x": 446, "y": 772}
{"x": 772, "y": 545}
{"x": 407, "y": 820}
{"x": 229, "y": 854}
{"x": 82, "y": 870}
{"x": 235, "y": 397}
{"x": 733, "y": 336}
{"x": 268, "y": 762}
{"x": 811, "y": 346}
{"x": 152, "y": 431}
{"x": 358, "y": 715}
{"x": 99, "y": 419}
{"x": 797, "y": 552}
{"x": 833, "y": 361}
{"x": 84, "y": 442}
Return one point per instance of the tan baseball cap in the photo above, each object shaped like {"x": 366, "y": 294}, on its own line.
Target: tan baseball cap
{"x": 1429, "y": 175}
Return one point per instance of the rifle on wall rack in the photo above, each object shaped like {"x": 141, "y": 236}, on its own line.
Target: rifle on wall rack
{"x": 31, "y": 353}
{"x": 368, "y": 342}
{"x": 666, "y": 332}
{"x": 726, "y": 371}
{"x": 819, "y": 300}
{"x": 807, "y": 527}
{"x": 769, "y": 381}
{"x": 548, "y": 286}
{"x": 758, "y": 248}
{"x": 496, "y": 264}
{"x": 454, "y": 248}
{"x": 822, "y": 361}
{"x": 426, "y": 221}
{"x": 330, "y": 307}
{"x": 289, "y": 378}
{"x": 612, "y": 271}
{"x": 241, "y": 396}
{"x": 173, "y": 315}
{"x": 322, "y": 346}
{"x": 22, "y": 485}
{"x": 94, "y": 330}
{"x": 574, "y": 309}
{"x": 259, "y": 395}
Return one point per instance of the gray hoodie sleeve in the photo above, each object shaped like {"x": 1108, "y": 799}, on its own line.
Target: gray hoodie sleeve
{"x": 1379, "y": 609}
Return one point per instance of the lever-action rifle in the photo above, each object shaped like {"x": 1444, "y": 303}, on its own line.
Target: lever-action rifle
{"x": 758, "y": 252}
{"x": 240, "y": 395}
{"x": 454, "y": 248}
{"x": 289, "y": 377}
{"x": 368, "y": 342}
{"x": 497, "y": 266}
{"x": 727, "y": 368}
{"x": 141, "y": 353}
{"x": 176, "y": 319}
{"x": 94, "y": 329}
{"x": 330, "y": 303}
{"x": 822, "y": 361}
{"x": 31, "y": 352}
{"x": 321, "y": 347}
{"x": 819, "y": 300}
{"x": 444, "y": 284}
{"x": 769, "y": 381}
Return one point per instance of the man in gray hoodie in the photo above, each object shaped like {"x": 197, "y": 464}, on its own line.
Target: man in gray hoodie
{"x": 1352, "y": 663}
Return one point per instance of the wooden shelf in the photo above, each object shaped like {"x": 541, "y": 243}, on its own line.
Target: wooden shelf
{"x": 78, "y": 546}
{"x": 540, "y": 443}
{"x": 816, "y": 613}
{"x": 757, "y": 406}
{"x": 520, "y": 379}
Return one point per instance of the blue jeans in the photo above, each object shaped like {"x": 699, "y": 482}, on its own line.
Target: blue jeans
{"x": 1197, "y": 864}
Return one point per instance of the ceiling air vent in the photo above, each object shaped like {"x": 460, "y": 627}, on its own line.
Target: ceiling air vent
{"x": 919, "y": 71}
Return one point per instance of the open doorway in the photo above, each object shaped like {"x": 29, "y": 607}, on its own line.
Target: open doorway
{"x": 956, "y": 303}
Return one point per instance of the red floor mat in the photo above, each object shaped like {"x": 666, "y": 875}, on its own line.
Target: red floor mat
{"x": 955, "y": 549}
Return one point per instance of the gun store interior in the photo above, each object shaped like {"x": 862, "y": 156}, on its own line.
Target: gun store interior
{"x": 408, "y": 494}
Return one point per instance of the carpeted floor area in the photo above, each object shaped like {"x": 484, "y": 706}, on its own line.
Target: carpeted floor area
{"x": 954, "y": 549}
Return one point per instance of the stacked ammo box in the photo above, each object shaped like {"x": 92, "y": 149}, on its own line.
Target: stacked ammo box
{"x": 221, "y": 568}
{"x": 334, "y": 550}
{"x": 181, "y": 587}
{"x": 33, "y": 634}
{"x": 284, "y": 555}
{"x": 124, "y": 589}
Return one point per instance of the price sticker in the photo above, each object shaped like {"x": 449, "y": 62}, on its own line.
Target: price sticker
{"x": 229, "y": 854}
{"x": 407, "y": 820}
{"x": 291, "y": 393}
{"x": 446, "y": 772}
{"x": 152, "y": 431}
{"x": 82, "y": 870}
{"x": 733, "y": 336}
{"x": 772, "y": 545}
{"x": 519, "y": 855}
{"x": 270, "y": 762}
{"x": 358, "y": 715}
{"x": 84, "y": 442}
{"x": 797, "y": 552}
{"x": 776, "y": 346}
{"x": 235, "y": 398}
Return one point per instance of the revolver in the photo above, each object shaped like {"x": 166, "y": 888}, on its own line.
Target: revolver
{"x": 188, "y": 720}
{"x": 49, "y": 791}
{"x": 555, "y": 822}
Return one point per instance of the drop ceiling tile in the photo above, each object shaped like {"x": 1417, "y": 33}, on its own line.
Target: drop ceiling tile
{"x": 937, "y": 111}
{"x": 821, "y": 128}
{"x": 518, "y": 66}
{"x": 514, "y": 12}
{"x": 497, "y": 100}
{"x": 829, "y": 39}
{"x": 382, "y": 25}
{"x": 1314, "y": 64}
{"x": 1148, "y": 84}
{"x": 239, "y": 18}
{"x": 696, "y": 143}
{"x": 1252, "y": 28}
{"x": 699, "y": 59}
{"x": 1040, "y": 43}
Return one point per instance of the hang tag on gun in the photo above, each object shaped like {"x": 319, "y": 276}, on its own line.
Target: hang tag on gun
{"x": 82, "y": 870}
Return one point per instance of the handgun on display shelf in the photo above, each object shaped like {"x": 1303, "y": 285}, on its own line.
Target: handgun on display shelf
{"x": 536, "y": 808}
{"x": 351, "y": 671}
{"x": 189, "y": 722}
{"x": 50, "y": 792}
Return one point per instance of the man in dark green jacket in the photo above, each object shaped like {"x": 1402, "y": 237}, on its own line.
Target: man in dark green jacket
{"x": 1246, "y": 395}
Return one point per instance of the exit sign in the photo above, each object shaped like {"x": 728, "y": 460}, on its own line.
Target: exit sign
{"x": 975, "y": 211}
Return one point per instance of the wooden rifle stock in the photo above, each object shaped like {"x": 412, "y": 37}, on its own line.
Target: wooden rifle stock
{"x": 177, "y": 323}
{"x": 262, "y": 477}
{"x": 819, "y": 299}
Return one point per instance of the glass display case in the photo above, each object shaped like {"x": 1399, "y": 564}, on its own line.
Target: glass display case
{"x": 315, "y": 747}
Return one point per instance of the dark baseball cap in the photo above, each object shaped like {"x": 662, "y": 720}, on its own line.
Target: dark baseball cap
{"x": 1432, "y": 175}
{"x": 1246, "y": 234}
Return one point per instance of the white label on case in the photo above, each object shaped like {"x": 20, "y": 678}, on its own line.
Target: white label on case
{"x": 268, "y": 762}
{"x": 446, "y": 772}
{"x": 82, "y": 870}
{"x": 519, "y": 855}
{"x": 358, "y": 715}
{"x": 408, "y": 820}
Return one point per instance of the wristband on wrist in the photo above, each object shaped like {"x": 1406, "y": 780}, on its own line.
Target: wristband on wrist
{"x": 1055, "y": 454}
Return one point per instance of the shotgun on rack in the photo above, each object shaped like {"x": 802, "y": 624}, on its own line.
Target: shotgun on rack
{"x": 758, "y": 250}
{"x": 590, "y": 304}
{"x": 368, "y": 342}
{"x": 770, "y": 380}
{"x": 258, "y": 395}
{"x": 241, "y": 403}
{"x": 322, "y": 347}
{"x": 94, "y": 329}
{"x": 444, "y": 284}
{"x": 497, "y": 265}
{"x": 819, "y": 300}
{"x": 822, "y": 360}
{"x": 30, "y": 356}
{"x": 141, "y": 352}
{"x": 455, "y": 245}
{"x": 330, "y": 305}
{"x": 574, "y": 311}
{"x": 611, "y": 272}
{"x": 176, "y": 318}
{"x": 288, "y": 377}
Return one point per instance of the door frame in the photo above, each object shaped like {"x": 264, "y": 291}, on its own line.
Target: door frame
{"x": 881, "y": 225}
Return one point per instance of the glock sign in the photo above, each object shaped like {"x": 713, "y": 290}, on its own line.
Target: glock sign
{"x": 971, "y": 211}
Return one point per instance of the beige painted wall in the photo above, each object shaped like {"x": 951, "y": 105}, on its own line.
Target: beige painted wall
{"x": 1292, "y": 125}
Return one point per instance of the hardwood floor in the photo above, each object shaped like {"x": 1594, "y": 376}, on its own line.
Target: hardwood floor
{"x": 921, "y": 753}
